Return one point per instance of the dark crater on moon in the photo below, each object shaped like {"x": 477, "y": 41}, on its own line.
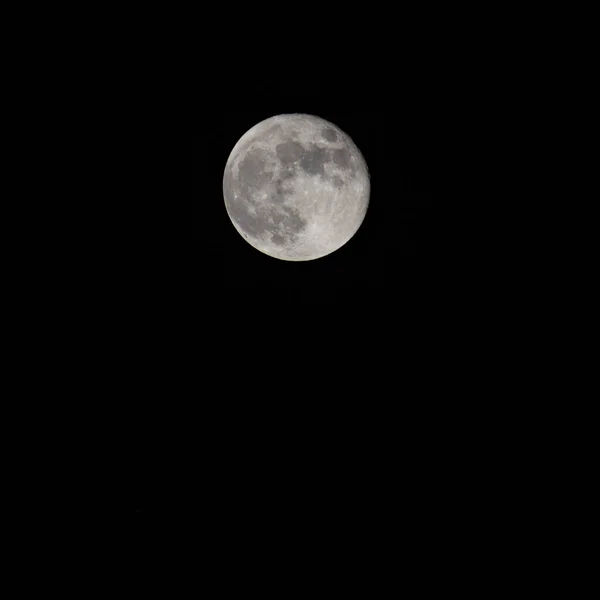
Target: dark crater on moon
{"x": 277, "y": 239}
{"x": 288, "y": 173}
{"x": 252, "y": 174}
{"x": 281, "y": 191}
{"x": 329, "y": 134}
{"x": 313, "y": 160}
{"x": 341, "y": 157}
{"x": 289, "y": 152}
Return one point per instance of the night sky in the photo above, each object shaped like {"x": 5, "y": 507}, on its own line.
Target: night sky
{"x": 255, "y": 340}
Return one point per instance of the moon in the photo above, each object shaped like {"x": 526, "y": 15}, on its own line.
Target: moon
{"x": 296, "y": 187}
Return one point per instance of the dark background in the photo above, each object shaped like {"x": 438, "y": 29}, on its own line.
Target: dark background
{"x": 235, "y": 391}
{"x": 336, "y": 390}
{"x": 272, "y": 351}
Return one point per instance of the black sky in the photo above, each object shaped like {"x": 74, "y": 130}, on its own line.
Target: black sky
{"x": 211, "y": 362}
{"x": 254, "y": 340}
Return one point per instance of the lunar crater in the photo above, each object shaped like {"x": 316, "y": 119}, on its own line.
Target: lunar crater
{"x": 289, "y": 152}
{"x": 277, "y": 239}
{"x": 341, "y": 157}
{"x": 329, "y": 134}
{"x": 337, "y": 181}
{"x": 313, "y": 160}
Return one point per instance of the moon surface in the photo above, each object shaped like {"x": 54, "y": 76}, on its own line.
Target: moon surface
{"x": 296, "y": 187}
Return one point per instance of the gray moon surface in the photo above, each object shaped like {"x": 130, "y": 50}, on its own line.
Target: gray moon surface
{"x": 296, "y": 187}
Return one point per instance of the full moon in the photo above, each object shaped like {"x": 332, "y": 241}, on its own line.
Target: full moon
{"x": 296, "y": 187}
